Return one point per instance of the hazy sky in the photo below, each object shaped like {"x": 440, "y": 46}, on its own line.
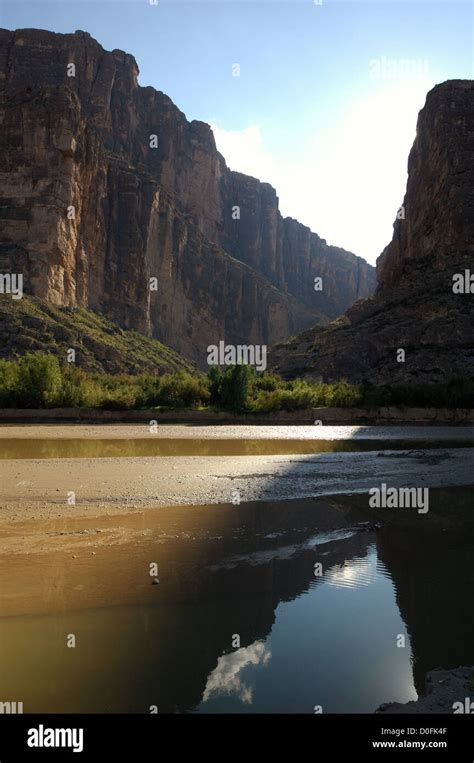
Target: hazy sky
{"x": 326, "y": 102}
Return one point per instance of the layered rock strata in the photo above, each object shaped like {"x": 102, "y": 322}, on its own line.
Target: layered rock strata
{"x": 105, "y": 185}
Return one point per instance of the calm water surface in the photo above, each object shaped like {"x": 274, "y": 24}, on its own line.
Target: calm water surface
{"x": 108, "y": 448}
{"x": 304, "y": 640}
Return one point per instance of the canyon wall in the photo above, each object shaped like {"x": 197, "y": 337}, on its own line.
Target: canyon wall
{"x": 423, "y": 304}
{"x": 90, "y": 209}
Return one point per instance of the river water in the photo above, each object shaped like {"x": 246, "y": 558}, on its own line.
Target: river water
{"x": 156, "y": 447}
{"x": 243, "y": 621}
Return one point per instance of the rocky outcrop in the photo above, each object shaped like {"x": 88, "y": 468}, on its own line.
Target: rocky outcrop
{"x": 447, "y": 692}
{"x": 418, "y": 325}
{"x": 106, "y": 185}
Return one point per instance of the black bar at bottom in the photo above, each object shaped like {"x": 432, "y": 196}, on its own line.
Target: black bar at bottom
{"x": 146, "y": 737}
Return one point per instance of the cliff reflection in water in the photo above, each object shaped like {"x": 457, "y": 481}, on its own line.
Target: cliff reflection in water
{"x": 252, "y": 629}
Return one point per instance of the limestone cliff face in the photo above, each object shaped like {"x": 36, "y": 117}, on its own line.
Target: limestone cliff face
{"x": 90, "y": 210}
{"x": 415, "y": 307}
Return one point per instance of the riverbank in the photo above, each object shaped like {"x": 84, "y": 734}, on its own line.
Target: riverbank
{"x": 81, "y": 487}
{"x": 447, "y": 691}
{"x": 51, "y": 487}
{"x": 125, "y": 431}
{"x": 310, "y": 416}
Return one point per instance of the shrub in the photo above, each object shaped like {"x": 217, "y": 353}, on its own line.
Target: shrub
{"x": 299, "y": 395}
{"x": 36, "y": 380}
{"x": 268, "y": 400}
{"x": 122, "y": 400}
{"x": 38, "y": 383}
{"x": 235, "y": 387}
{"x": 344, "y": 395}
{"x": 148, "y": 391}
{"x": 181, "y": 390}
{"x": 457, "y": 393}
{"x": 214, "y": 377}
{"x": 79, "y": 389}
{"x": 8, "y": 383}
{"x": 267, "y": 381}
{"x": 460, "y": 393}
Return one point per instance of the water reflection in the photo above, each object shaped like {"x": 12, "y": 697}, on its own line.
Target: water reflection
{"x": 354, "y": 573}
{"x": 435, "y": 596}
{"x": 302, "y": 639}
{"x": 226, "y": 678}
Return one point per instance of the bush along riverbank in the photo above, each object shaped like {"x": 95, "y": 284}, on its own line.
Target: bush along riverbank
{"x": 38, "y": 381}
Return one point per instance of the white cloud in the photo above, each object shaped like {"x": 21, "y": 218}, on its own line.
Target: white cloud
{"x": 225, "y": 678}
{"x": 350, "y": 181}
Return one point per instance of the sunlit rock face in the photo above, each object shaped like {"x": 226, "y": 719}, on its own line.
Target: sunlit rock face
{"x": 105, "y": 184}
{"x": 423, "y": 302}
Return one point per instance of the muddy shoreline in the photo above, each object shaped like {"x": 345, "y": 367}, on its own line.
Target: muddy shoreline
{"x": 348, "y": 416}
{"x": 234, "y": 431}
{"x": 64, "y": 487}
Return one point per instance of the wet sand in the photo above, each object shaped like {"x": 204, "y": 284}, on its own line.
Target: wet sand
{"x": 43, "y": 488}
{"x": 237, "y": 431}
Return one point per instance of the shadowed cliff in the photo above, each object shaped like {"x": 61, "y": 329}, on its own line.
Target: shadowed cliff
{"x": 423, "y": 302}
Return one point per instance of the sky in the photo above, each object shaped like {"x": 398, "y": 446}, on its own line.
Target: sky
{"x": 318, "y": 99}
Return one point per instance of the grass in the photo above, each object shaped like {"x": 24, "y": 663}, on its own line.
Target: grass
{"x": 30, "y": 324}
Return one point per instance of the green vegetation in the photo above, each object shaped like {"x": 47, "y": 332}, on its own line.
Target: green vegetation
{"x": 235, "y": 388}
{"x": 457, "y": 393}
{"x": 32, "y": 325}
{"x": 37, "y": 380}
{"x": 273, "y": 394}
{"x": 34, "y": 381}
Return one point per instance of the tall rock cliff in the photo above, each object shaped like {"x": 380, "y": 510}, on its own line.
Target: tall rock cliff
{"x": 92, "y": 206}
{"x": 423, "y": 304}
